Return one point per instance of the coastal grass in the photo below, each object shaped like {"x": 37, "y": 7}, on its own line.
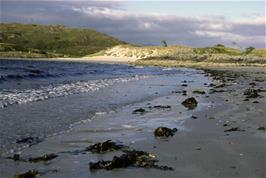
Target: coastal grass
{"x": 259, "y": 52}
{"x": 219, "y": 49}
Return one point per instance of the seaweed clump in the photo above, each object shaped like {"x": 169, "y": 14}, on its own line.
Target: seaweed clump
{"x": 199, "y": 92}
{"x": 108, "y": 145}
{"x": 261, "y": 128}
{"x": 251, "y": 93}
{"x": 190, "y": 103}
{"x": 233, "y": 129}
{"x": 28, "y": 174}
{"x": 164, "y": 132}
{"x": 133, "y": 158}
{"x": 46, "y": 157}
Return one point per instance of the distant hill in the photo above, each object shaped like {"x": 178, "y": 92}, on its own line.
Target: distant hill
{"x": 30, "y": 40}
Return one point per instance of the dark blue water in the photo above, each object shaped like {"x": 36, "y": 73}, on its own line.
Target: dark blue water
{"x": 21, "y": 74}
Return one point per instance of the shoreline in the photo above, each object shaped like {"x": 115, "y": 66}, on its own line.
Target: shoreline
{"x": 139, "y": 62}
{"x": 96, "y": 59}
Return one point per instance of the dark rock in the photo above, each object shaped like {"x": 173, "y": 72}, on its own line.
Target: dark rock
{"x": 233, "y": 129}
{"x": 160, "y": 107}
{"x": 29, "y": 140}
{"x": 46, "y": 157}
{"x": 251, "y": 93}
{"x": 164, "y": 132}
{"x": 139, "y": 159}
{"x": 261, "y": 128}
{"x": 220, "y": 86}
{"x": 184, "y": 85}
{"x": 252, "y": 84}
{"x": 261, "y": 90}
{"x": 259, "y": 80}
{"x": 199, "y": 92}
{"x": 139, "y": 111}
{"x": 216, "y": 91}
{"x": 194, "y": 117}
{"x": 184, "y": 93}
{"x": 15, "y": 157}
{"x": 190, "y": 103}
{"x": 29, "y": 174}
{"x": 255, "y": 102}
{"x": 105, "y": 146}
{"x": 225, "y": 125}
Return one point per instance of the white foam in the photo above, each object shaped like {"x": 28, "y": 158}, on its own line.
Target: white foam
{"x": 9, "y": 97}
{"x": 128, "y": 126}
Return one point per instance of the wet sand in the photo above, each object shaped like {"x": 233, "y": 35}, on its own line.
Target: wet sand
{"x": 200, "y": 147}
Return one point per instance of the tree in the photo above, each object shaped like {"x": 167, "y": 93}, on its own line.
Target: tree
{"x": 164, "y": 44}
{"x": 220, "y": 45}
{"x": 249, "y": 49}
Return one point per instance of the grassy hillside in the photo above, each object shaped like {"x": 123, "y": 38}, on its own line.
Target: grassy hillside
{"x": 53, "y": 40}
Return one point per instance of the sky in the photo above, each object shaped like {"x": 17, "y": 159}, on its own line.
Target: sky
{"x": 195, "y": 23}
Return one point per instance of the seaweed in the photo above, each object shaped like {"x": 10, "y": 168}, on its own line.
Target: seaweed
{"x": 233, "y": 129}
{"x": 164, "y": 132}
{"x": 199, "y": 92}
{"x": 251, "y": 93}
{"x": 46, "y": 157}
{"x": 190, "y": 103}
{"x": 131, "y": 158}
{"x": 105, "y": 146}
{"x": 28, "y": 174}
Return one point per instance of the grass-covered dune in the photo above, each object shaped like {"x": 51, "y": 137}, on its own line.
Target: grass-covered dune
{"x": 30, "y": 40}
{"x": 141, "y": 52}
{"x": 187, "y": 56}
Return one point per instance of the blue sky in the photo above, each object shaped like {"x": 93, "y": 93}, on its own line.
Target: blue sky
{"x": 193, "y": 23}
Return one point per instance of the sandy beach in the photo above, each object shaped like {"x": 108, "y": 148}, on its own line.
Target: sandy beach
{"x": 222, "y": 137}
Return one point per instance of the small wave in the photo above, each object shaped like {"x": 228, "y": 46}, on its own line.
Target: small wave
{"x": 127, "y": 126}
{"x": 167, "y": 69}
{"x": 14, "y": 96}
{"x": 100, "y": 113}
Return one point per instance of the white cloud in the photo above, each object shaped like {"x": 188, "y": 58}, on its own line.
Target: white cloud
{"x": 145, "y": 28}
